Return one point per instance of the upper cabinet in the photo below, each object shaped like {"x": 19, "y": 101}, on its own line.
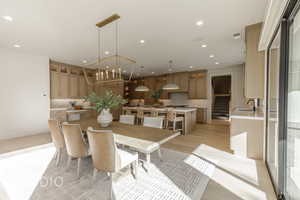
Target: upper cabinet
{"x": 254, "y": 63}
{"x": 68, "y": 82}
{"x": 193, "y": 83}
{"x": 197, "y": 85}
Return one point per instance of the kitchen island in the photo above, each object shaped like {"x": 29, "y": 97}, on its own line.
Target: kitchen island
{"x": 189, "y": 115}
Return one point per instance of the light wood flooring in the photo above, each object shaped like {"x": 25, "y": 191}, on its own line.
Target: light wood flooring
{"x": 235, "y": 178}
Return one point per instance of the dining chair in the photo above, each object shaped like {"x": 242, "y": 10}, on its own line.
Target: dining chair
{"x": 155, "y": 122}
{"x": 107, "y": 157}
{"x": 75, "y": 144}
{"x": 127, "y": 119}
{"x": 57, "y": 138}
{"x": 172, "y": 117}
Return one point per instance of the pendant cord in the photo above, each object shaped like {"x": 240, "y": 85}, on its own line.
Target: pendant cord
{"x": 117, "y": 44}
{"x": 99, "y": 48}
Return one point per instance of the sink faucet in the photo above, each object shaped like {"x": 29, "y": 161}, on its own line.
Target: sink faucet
{"x": 253, "y": 104}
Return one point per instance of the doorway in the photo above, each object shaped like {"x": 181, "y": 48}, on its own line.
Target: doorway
{"x": 221, "y": 95}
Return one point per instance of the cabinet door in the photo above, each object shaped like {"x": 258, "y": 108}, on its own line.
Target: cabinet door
{"x": 183, "y": 81}
{"x": 74, "y": 86}
{"x": 193, "y": 88}
{"x": 254, "y": 63}
{"x": 201, "y": 88}
{"x": 64, "y": 85}
{"x": 54, "y": 85}
{"x": 83, "y": 90}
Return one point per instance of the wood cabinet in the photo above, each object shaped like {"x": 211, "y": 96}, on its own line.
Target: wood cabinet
{"x": 54, "y": 85}
{"x": 254, "y": 63}
{"x": 194, "y": 83}
{"x": 83, "y": 87}
{"x": 197, "y": 85}
{"x": 201, "y": 115}
{"x": 68, "y": 82}
{"x": 64, "y": 86}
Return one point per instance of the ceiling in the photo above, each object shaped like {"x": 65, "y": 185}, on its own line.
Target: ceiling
{"x": 65, "y": 30}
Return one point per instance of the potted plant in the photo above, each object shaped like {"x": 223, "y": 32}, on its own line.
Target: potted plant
{"x": 156, "y": 95}
{"x": 103, "y": 104}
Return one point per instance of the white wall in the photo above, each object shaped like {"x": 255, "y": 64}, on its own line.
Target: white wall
{"x": 23, "y": 81}
{"x": 237, "y": 73}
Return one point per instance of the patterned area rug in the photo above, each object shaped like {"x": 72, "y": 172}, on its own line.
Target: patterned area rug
{"x": 179, "y": 176}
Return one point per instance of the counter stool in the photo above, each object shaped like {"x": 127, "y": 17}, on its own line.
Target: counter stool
{"x": 172, "y": 117}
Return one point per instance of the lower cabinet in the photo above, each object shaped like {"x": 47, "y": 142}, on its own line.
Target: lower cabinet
{"x": 247, "y": 137}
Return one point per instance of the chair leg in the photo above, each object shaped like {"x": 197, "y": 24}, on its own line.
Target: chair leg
{"x": 136, "y": 165}
{"x": 69, "y": 162}
{"x": 174, "y": 125}
{"x": 78, "y": 166}
{"x": 58, "y": 157}
{"x": 111, "y": 196}
{"x": 159, "y": 154}
{"x": 94, "y": 174}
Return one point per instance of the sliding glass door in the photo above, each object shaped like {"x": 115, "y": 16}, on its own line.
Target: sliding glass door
{"x": 283, "y": 105}
{"x": 292, "y": 146}
{"x": 273, "y": 108}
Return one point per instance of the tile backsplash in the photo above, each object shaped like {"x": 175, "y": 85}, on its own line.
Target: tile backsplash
{"x": 65, "y": 103}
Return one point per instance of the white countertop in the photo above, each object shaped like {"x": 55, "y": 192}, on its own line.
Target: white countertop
{"x": 258, "y": 115}
{"x": 184, "y": 110}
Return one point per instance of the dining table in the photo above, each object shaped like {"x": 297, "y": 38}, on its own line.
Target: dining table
{"x": 145, "y": 140}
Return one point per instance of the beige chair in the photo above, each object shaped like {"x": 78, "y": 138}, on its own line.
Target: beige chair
{"x": 155, "y": 122}
{"x": 57, "y": 138}
{"x": 127, "y": 119}
{"x": 172, "y": 117}
{"x": 75, "y": 144}
{"x": 106, "y": 156}
{"x": 140, "y": 116}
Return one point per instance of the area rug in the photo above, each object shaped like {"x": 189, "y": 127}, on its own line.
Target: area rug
{"x": 179, "y": 176}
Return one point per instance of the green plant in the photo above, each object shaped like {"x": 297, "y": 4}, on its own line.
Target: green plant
{"x": 107, "y": 101}
{"x": 156, "y": 94}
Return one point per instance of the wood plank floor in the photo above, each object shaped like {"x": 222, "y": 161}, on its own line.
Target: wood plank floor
{"x": 235, "y": 178}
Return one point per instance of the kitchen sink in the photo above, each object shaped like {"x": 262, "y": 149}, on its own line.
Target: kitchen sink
{"x": 245, "y": 109}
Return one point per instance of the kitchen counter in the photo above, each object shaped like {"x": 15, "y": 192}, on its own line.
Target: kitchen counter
{"x": 188, "y": 113}
{"x": 237, "y": 114}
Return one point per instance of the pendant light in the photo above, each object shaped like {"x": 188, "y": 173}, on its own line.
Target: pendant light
{"x": 142, "y": 88}
{"x": 170, "y": 86}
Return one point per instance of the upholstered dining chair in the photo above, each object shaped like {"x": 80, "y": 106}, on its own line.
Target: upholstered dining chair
{"x": 155, "y": 122}
{"x": 127, "y": 119}
{"x": 139, "y": 116}
{"x": 106, "y": 156}
{"x": 75, "y": 144}
{"x": 57, "y": 138}
{"x": 173, "y": 118}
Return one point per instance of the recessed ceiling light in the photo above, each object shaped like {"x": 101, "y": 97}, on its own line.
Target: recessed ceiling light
{"x": 217, "y": 63}
{"x": 142, "y": 41}
{"x": 7, "y": 18}
{"x": 17, "y": 45}
{"x": 152, "y": 72}
{"x": 199, "y": 23}
{"x": 191, "y": 66}
{"x": 211, "y": 55}
{"x": 106, "y": 52}
{"x": 84, "y": 61}
{"x": 107, "y": 66}
{"x": 203, "y": 45}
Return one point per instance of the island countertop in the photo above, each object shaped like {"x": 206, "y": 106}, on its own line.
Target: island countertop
{"x": 189, "y": 114}
{"x": 178, "y": 109}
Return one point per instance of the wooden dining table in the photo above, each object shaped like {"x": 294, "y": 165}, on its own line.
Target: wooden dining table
{"x": 142, "y": 139}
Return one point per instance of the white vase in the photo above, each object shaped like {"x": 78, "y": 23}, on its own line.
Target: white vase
{"x": 105, "y": 118}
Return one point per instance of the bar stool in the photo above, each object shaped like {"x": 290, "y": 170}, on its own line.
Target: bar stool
{"x": 140, "y": 116}
{"x": 172, "y": 117}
